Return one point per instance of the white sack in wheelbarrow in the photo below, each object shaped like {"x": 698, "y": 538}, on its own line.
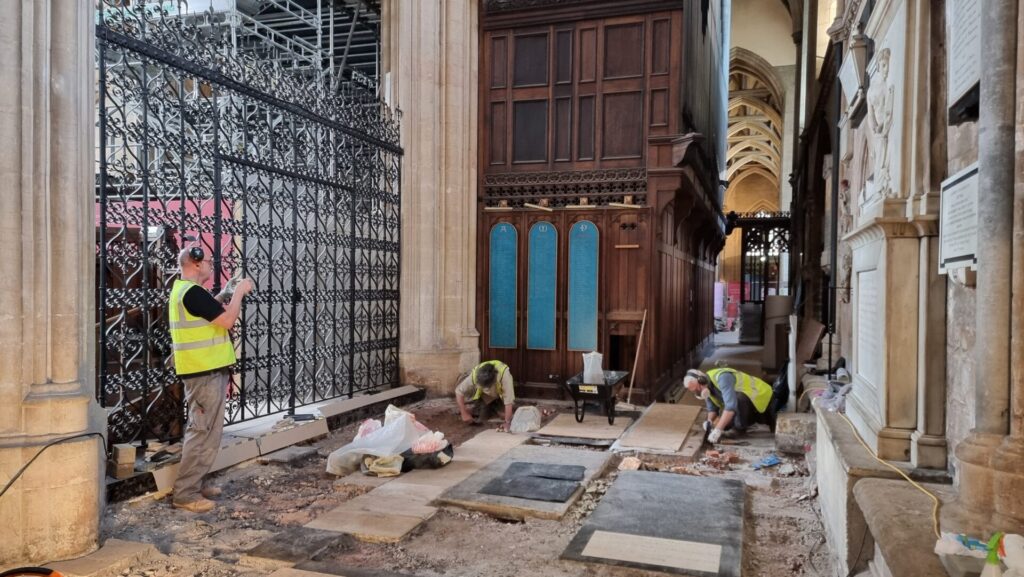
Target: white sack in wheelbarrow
{"x": 394, "y": 438}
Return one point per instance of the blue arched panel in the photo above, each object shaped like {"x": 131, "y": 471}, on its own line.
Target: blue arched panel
{"x": 501, "y": 301}
{"x": 541, "y": 283}
{"x": 583, "y": 255}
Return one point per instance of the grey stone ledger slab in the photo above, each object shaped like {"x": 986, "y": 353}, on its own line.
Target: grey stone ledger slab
{"x": 532, "y": 488}
{"x": 545, "y": 471}
{"x": 658, "y": 515}
{"x": 467, "y": 494}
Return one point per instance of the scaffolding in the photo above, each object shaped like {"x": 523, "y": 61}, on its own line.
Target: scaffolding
{"x": 338, "y": 38}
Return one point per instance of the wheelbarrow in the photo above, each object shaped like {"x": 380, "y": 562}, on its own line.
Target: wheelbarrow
{"x": 603, "y": 393}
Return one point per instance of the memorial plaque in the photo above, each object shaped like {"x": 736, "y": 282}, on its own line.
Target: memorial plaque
{"x": 869, "y": 328}
{"x": 964, "y": 17}
{"x": 958, "y": 221}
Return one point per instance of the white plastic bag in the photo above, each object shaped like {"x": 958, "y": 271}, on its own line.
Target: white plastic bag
{"x": 368, "y": 427}
{"x": 395, "y": 437}
{"x": 429, "y": 443}
{"x": 593, "y": 374}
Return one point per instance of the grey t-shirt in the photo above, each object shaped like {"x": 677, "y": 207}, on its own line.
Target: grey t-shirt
{"x": 727, "y": 386}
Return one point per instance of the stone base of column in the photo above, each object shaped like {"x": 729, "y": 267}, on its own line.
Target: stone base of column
{"x": 436, "y": 370}
{"x": 928, "y": 451}
{"x": 1008, "y": 464}
{"x": 894, "y": 444}
{"x": 52, "y": 512}
{"x": 977, "y": 477}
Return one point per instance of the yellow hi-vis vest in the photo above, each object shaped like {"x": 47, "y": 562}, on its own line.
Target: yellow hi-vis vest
{"x": 498, "y": 366}
{"x": 198, "y": 344}
{"x": 758, "y": 391}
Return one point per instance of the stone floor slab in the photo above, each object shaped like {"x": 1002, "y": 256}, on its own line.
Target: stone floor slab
{"x": 369, "y": 527}
{"x": 289, "y": 547}
{"x": 565, "y": 425}
{"x": 114, "y": 556}
{"x": 467, "y": 493}
{"x": 666, "y": 522}
{"x": 287, "y": 456}
{"x": 662, "y": 427}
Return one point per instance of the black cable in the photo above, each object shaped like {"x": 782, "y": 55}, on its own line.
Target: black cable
{"x": 47, "y": 446}
{"x": 860, "y": 552}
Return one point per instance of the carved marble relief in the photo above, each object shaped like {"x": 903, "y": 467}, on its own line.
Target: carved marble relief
{"x": 880, "y": 115}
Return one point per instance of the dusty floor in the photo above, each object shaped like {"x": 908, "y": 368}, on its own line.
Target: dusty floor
{"x": 783, "y": 531}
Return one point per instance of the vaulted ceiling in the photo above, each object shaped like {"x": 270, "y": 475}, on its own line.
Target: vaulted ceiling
{"x": 756, "y": 101}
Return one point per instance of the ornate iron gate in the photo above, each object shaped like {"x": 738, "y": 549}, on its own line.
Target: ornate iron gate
{"x": 280, "y": 177}
{"x": 765, "y": 240}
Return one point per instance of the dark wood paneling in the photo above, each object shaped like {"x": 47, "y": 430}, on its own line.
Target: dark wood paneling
{"x": 659, "y": 107}
{"x": 661, "y": 46}
{"x": 623, "y": 127}
{"x": 624, "y": 50}
{"x": 499, "y": 62}
{"x": 563, "y": 129}
{"x": 529, "y": 135}
{"x": 563, "y": 55}
{"x": 585, "y": 146}
{"x": 499, "y": 132}
{"x": 531, "y": 60}
{"x": 588, "y": 54}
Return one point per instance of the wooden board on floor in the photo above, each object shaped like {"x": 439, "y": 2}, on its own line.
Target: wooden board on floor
{"x": 565, "y": 425}
{"x": 662, "y": 427}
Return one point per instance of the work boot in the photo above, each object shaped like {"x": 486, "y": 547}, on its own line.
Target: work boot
{"x": 211, "y": 492}
{"x": 198, "y": 506}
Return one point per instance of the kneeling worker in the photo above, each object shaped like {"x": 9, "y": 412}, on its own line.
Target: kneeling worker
{"x": 488, "y": 387}
{"x": 734, "y": 399}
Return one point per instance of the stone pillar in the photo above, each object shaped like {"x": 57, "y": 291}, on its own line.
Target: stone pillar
{"x": 995, "y": 229}
{"x": 431, "y": 57}
{"x": 928, "y": 442}
{"x": 47, "y": 313}
{"x": 1008, "y": 461}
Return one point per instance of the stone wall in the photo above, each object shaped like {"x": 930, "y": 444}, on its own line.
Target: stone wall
{"x": 962, "y": 150}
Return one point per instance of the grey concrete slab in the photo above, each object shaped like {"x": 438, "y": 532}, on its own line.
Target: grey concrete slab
{"x": 468, "y": 495}
{"x": 666, "y": 522}
{"x": 292, "y": 546}
{"x": 287, "y": 456}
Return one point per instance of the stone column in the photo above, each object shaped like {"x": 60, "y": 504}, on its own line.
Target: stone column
{"x": 47, "y": 313}
{"x": 995, "y": 229}
{"x": 1008, "y": 461}
{"x": 431, "y": 56}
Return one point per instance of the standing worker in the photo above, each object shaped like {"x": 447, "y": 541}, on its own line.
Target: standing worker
{"x": 734, "y": 400}
{"x": 203, "y": 356}
{"x": 487, "y": 387}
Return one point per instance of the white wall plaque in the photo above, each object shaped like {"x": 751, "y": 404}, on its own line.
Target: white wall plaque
{"x": 964, "y": 17}
{"x": 958, "y": 221}
{"x": 869, "y": 328}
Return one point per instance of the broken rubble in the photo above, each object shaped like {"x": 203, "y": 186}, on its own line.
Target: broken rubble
{"x": 525, "y": 420}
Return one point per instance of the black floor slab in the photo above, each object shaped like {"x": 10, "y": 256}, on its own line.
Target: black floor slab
{"x": 294, "y": 545}
{"x": 546, "y": 471}
{"x": 533, "y": 488}
{"x": 331, "y": 568}
{"x": 666, "y": 522}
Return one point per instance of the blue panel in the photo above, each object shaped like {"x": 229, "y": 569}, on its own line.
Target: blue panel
{"x": 540, "y": 299}
{"x": 502, "y": 285}
{"x": 583, "y": 254}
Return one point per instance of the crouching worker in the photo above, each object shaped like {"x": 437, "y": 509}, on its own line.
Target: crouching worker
{"x": 734, "y": 400}
{"x": 489, "y": 389}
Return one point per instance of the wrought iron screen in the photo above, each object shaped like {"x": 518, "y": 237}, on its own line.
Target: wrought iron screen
{"x": 280, "y": 176}
{"x": 766, "y": 241}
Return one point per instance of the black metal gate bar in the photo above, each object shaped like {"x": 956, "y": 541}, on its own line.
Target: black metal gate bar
{"x": 276, "y": 175}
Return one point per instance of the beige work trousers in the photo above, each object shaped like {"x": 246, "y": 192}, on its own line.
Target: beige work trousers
{"x": 205, "y": 398}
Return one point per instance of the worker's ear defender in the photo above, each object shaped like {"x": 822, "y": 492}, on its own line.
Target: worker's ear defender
{"x": 701, "y": 378}
{"x": 196, "y": 253}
